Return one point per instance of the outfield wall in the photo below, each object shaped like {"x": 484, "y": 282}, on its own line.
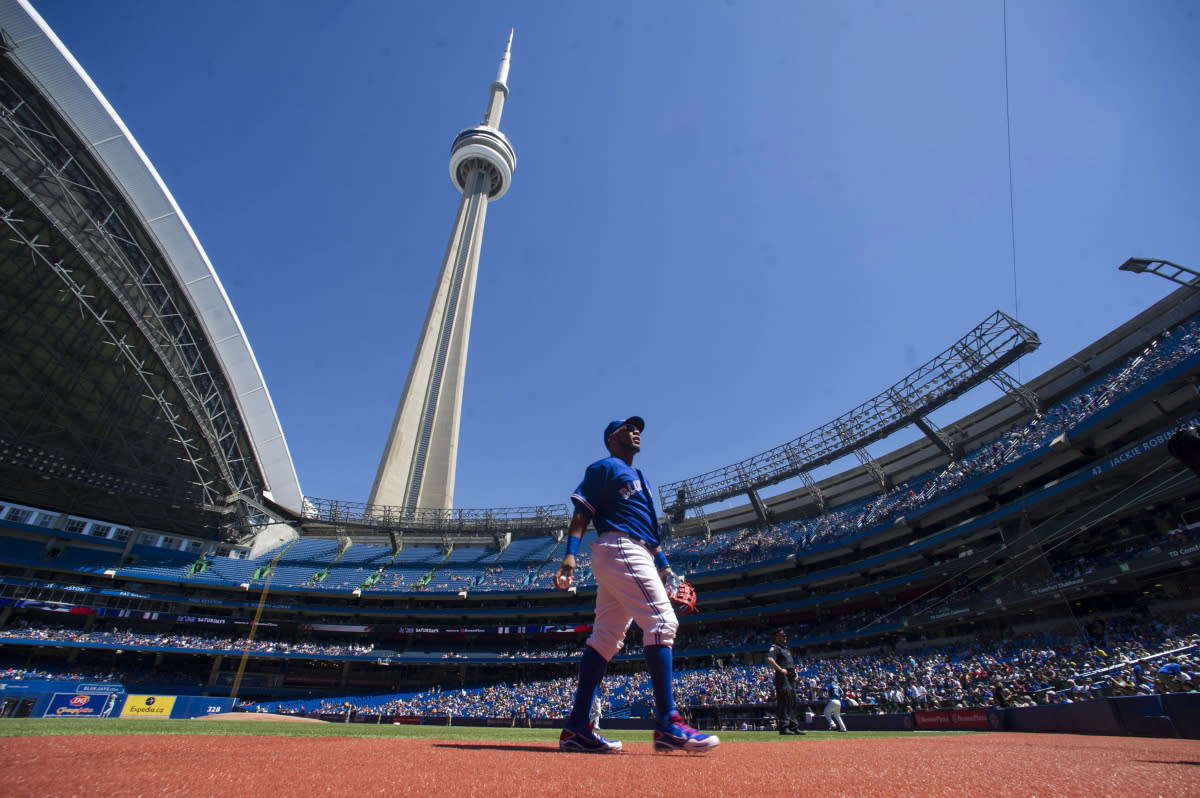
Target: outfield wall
{"x": 71, "y": 699}
{"x": 1172, "y": 715}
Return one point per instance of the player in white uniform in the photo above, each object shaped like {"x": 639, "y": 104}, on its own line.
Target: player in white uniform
{"x": 833, "y": 708}
{"x": 597, "y": 712}
{"x": 631, "y": 571}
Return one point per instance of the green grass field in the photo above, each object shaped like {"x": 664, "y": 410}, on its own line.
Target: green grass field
{"x": 39, "y": 727}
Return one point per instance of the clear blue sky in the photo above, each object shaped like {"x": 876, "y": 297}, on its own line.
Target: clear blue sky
{"x": 737, "y": 219}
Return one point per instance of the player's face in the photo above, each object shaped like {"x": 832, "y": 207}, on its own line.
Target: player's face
{"x": 627, "y": 436}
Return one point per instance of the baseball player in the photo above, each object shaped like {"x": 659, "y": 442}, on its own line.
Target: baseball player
{"x": 631, "y": 571}
{"x": 833, "y": 707}
{"x": 784, "y": 668}
{"x": 597, "y": 708}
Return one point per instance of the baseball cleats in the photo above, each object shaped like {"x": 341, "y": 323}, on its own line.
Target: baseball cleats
{"x": 586, "y": 741}
{"x": 676, "y": 735}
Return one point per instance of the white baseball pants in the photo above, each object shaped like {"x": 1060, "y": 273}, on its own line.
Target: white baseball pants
{"x": 833, "y": 712}
{"x": 628, "y": 589}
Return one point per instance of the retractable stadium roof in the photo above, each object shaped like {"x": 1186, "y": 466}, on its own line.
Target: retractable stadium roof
{"x": 128, "y": 390}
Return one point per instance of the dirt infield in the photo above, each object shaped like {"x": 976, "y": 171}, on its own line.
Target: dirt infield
{"x": 979, "y": 764}
{"x": 242, "y": 717}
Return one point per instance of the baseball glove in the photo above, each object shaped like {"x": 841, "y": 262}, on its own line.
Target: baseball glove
{"x": 682, "y": 595}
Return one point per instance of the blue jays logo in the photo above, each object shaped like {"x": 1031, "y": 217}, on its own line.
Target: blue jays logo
{"x": 628, "y": 490}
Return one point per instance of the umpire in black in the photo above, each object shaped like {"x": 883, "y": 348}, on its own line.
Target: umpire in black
{"x": 781, "y": 662}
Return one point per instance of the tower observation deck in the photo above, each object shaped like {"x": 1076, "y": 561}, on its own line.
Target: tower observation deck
{"x": 419, "y": 459}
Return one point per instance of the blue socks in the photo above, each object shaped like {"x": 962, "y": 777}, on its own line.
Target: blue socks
{"x": 658, "y": 662}
{"x": 591, "y": 670}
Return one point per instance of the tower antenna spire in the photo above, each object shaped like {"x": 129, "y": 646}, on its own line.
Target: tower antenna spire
{"x": 502, "y": 72}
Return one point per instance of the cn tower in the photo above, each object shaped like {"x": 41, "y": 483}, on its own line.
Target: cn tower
{"x": 417, "y": 467}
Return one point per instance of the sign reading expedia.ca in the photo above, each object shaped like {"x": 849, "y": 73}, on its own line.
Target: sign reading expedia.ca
{"x": 148, "y": 706}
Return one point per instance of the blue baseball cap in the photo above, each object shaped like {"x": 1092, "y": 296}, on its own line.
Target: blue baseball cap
{"x": 613, "y": 426}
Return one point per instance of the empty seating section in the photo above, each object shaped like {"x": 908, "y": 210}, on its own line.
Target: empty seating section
{"x": 20, "y": 551}
{"x": 84, "y": 560}
{"x": 410, "y": 571}
{"x": 356, "y": 564}
{"x": 461, "y": 569}
{"x": 155, "y": 563}
{"x": 225, "y": 570}
{"x": 302, "y": 562}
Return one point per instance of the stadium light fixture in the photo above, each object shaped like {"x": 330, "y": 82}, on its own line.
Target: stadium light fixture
{"x": 1136, "y": 265}
{"x": 1163, "y": 268}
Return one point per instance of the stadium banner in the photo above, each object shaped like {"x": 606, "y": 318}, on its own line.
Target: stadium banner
{"x": 145, "y": 615}
{"x": 202, "y": 619}
{"x": 99, "y": 687}
{"x": 335, "y": 627}
{"x": 148, "y": 706}
{"x": 1132, "y": 453}
{"x": 198, "y": 706}
{"x": 53, "y": 606}
{"x": 80, "y": 705}
{"x": 956, "y": 719}
{"x": 58, "y": 686}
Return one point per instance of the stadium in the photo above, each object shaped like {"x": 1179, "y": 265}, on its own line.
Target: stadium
{"x": 1036, "y": 559}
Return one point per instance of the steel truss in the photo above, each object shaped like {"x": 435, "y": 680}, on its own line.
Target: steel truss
{"x": 95, "y": 286}
{"x": 978, "y": 356}
{"x": 348, "y": 515}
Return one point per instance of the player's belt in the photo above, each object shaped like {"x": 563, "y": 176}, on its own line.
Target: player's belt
{"x": 624, "y": 534}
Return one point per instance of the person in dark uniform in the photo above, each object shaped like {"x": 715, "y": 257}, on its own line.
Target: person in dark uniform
{"x": 784, "y": 667}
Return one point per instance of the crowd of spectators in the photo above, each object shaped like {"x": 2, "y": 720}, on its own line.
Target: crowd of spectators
{"x": 960, "y": 592}
{"x": 1110, "y": 658}
{"x": 126, "y": 639}
{"x": 21, "y": 674}
{"x": 1118, "y": 655}
{"x": 1030, "y": 576}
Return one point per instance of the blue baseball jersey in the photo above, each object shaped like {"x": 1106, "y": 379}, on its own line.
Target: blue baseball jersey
{"x": 833, "y": 691}
{"x": 616, "y": 497}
